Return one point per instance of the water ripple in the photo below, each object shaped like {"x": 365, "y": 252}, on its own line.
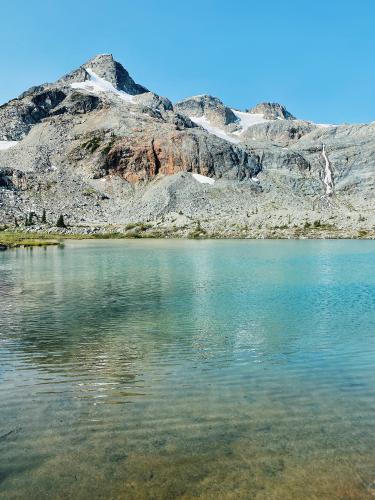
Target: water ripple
{"x": 161, "y": 369}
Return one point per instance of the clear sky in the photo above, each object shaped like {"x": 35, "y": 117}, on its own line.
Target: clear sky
{"x": 316, "y": 56}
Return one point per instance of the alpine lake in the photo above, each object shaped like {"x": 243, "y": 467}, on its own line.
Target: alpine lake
{"x": 133, "y": 369}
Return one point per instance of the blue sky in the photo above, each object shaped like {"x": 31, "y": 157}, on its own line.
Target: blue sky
{"x": 316, "y": 57}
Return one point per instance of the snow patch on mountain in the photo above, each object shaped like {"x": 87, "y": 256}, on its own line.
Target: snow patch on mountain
{"x": 207, "y": 125}
{"x": 4, "y": 145}
{"x": 202, "y": 179}
{"x": 324, "y": 125}
{"x": 247, "y": 120}
{"x": 97, "y": 84}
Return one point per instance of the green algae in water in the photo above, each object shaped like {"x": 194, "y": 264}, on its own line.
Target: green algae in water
{"x": 212, "y": 369}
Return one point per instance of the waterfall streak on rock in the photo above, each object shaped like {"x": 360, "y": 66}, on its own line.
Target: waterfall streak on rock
{"x": 328, "y": 174}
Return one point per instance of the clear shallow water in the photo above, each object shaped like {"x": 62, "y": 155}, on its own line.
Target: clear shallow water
{"x": 180, "y": 369}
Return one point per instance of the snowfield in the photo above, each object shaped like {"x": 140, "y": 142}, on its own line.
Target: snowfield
{"x": 247, "y": 120}
{"x": 97, "y": 84}
{"x": 324, "y": 125}
{"x": 206, "y": 124}
{"x": 4, "y": 145}
{"x": 202, "y": 179}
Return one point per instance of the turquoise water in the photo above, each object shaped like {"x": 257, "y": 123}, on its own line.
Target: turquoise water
{"x": 185, "y": 369}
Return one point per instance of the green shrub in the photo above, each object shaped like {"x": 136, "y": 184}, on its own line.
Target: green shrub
{"x": 92, "y": 144}
{"x": 131, "y": 225}
{"x": 140, "y": 226}
{"x": 198, "y": 232}
{"x": 89, "y": 191}
{"x": 107, "y": 148}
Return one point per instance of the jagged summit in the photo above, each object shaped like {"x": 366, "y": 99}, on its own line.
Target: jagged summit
{"x": 104, "y": 66}
{"x": 272, "y": 111}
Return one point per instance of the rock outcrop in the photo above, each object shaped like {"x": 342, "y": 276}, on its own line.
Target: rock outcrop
{"x": 272, "y": 111}
{"x": 210, "y": 107}
{"x": 19, "y": 115}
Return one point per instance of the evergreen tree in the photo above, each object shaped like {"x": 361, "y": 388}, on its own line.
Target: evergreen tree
{"x": 15, "y": 222}
{"x": 44, "y": 218}
{"x": 31, "y": 220}
{"x": 60, "y": 221}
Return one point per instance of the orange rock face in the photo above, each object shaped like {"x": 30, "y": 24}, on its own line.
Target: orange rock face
{"x": 142, "y": 158}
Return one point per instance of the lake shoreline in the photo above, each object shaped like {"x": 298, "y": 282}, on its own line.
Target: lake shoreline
{"x": 55, "y": 236}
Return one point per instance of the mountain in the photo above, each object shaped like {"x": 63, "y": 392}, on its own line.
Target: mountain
{"x": 101, "y": 149}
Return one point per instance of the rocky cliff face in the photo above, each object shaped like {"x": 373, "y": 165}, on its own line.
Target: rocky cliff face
{"x": 100, "y": 148}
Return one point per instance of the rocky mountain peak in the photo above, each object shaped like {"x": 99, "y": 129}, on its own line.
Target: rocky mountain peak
{"x": 206, "y": 106}
{"x": 272, "y": 111}
{"x": 104, "y": 66}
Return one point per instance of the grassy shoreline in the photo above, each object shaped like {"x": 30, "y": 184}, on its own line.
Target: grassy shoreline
{"x": 16, "y": 239}
{"x": 23, "y": 239}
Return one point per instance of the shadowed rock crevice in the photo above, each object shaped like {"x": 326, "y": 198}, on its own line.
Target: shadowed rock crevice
{"x": 156, "y": 168}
